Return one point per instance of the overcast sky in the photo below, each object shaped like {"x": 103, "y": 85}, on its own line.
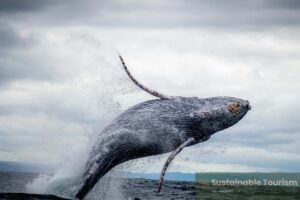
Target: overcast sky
{"x": 61, "y": 80}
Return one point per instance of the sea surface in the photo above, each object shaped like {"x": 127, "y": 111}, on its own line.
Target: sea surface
{"x": 140, "y": 189}
{"x": 15, "y": 182}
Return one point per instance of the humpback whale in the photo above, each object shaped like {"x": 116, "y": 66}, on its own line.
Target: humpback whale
{"x": 166, "y": 124}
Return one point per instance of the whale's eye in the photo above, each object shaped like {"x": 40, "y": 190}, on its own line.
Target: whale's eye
{"x": 234, "y": 108}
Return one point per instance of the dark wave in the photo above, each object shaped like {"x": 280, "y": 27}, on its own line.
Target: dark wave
{"x": 25, "y": 196}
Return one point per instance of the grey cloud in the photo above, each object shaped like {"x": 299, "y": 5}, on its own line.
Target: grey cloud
{"x": 25, "y": 5}
{"x": 166, "y": 14}
{"x": 14, "y": 60}
{"x": 11, "y": 38}
{"x": 26, "y": 67}
{"x": 21, "y": 68}
{"x": 18, "y": 62}
{"x": 290, "y": 4}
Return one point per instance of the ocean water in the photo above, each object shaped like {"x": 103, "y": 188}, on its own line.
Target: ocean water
{"x": 140, "y": 189}
{"x": 16, "y": 182}
{"x": 247, "y": 193}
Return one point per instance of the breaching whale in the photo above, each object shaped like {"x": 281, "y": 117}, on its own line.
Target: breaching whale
{"x": 153, "y": 127}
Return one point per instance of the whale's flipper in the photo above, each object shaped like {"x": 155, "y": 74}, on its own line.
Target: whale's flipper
{"x": 189, "y": 141}
{"x": 150, "y": 91}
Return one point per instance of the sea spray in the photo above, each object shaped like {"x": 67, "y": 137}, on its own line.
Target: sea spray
{"x": 100, "y": 84}
{"x": 110, "y": 187}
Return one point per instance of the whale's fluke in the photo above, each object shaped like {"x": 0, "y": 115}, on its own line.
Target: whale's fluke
{"x": 171, "y": 157}
{"x": 150, "y": 91}
{"x": 101, "y": 167}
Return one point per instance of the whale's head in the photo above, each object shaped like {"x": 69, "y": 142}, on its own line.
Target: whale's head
{"x": 210, "y": 115}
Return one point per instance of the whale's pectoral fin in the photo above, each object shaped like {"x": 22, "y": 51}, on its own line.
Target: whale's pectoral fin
{"x": 150, "y": 91}
{"x": 189, "y": 141}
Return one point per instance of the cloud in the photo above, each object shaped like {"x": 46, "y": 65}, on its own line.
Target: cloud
{"x": 15, "y": 59}
{"x": 10, "y": 38}
{"x": 61, "y": 81}
{"x": 155, "y": 14}
{"x": 54, "y": 64}
{"x": 55, "y": 98}
{"x": 193, "y": 167}
{"x": 231, "y": 159}
{"x": 17, "y": 6}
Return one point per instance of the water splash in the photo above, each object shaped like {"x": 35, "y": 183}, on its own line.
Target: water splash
{"x": 100, "y": 82}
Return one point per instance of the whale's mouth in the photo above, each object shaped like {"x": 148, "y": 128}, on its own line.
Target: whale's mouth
{"x": 247, "y": 105}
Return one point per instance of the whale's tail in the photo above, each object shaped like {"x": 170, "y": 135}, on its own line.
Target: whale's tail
{"x": 102, "y": 161}
{"x": 86, "y": 187}
{"x": 150, "y": 91}
{"x": 95, "y": 172}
